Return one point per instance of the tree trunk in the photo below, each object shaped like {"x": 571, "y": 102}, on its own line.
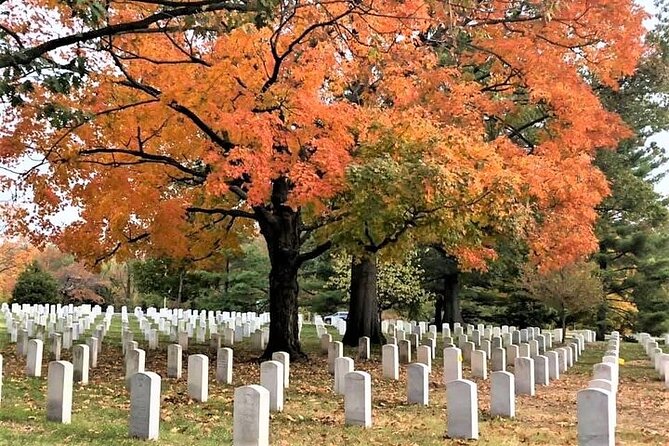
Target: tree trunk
{"x": 451, "y": 297}
{"x": 602, "y": 324}
{"x": 563, "y": 319}
{"x": 439, "y": 311}
{"x": 181, "y": 287}
{"x": 128, "y": 286}
{"x": 226, "y": 284}
{"x": 280, "y": 227}
{"x": 363, "y": 312}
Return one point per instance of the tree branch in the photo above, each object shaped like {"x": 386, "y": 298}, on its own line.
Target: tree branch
{"x": 317, "y": 251}
{"x": 218, "y": 211}
{"x": 25, "y": 56}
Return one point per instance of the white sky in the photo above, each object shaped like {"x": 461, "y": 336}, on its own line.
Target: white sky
{"x": 662, "y": 138}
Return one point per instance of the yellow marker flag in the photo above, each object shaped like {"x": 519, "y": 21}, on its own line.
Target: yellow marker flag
{"x": 621, "y": 361}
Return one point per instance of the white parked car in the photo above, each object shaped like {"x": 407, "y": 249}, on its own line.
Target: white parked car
{"x": 331, "y": 319}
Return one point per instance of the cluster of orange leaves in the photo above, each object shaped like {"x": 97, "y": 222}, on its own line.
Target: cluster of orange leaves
{"x": 263, "y": 88}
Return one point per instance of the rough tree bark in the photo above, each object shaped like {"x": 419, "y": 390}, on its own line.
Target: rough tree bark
{"x": 280, "y": 226}
{"x": 363, "y": 311}
{"x": 439, "y": 311}
{"x": 447, "y": 303}
{"x": 451, "y": 298}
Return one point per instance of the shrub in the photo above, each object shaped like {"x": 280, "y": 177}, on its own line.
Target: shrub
{"x": 35, "y": 286}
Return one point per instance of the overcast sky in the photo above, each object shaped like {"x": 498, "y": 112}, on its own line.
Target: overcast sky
{"x": 662, "y": 139}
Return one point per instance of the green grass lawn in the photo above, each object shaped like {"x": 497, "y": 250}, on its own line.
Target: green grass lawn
{"x": 313, "y": 414}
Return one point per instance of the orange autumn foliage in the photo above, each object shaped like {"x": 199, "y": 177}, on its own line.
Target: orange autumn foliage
{"x": 208, "y": 113}
{"x": 15, "y": 255}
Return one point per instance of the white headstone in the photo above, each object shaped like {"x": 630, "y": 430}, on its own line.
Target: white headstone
{"x": 417, "y": 384}
{"x": 541, "y": 373}
{"x": 524, "y": 373}
{"x": 358, "y": 399}
{"x": 606, "y": 371}
{"x": 81, "y": 362}
{"x": 363, "y": 348}
{"x": 424, "y": 356}
{"x": 34, "y": 362}
{"x": 326, "y": 340}
{"x": 498, "y": 360}
{"x": 405, "y": 351}
{"x": 479, "y": 364}
{"x": 452, "y": 364}
{"x": 502, "y": 395}
{"x": 343, "y": 366}
{"x": 224, "y": 365}
{"x": 59, "y": 392}
{"x": 335, "y": 350}
{"x": 198, "y": 377}
{"x": 284, "y": 359}
{"x": 92, "y": 343}
{"x": 596, "y": 426}
{"x": 134, "y": 363}
{"x": 553, "y": 365}
{"x": 271, "y": 378}
{"x": 462, "y": 405}
{"x": 251, "y": 416}
{"x": 390, "y": 362}
{"x": 144, "y": 405}
{"x": 174, "y": 361}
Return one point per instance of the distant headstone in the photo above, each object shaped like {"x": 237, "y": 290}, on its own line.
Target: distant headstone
{"x": 390, "y": 361}
{"x": 479, "y": 364}
{"x": 417, "y": 384}
{"x": 541, "y": 373}
{"x": 174, "y": 361}
{"x": 405, "y": 351}
{"x": 511, "y": 353}
{"x": 524, "y": 373}
{"x": 81, "y": 362}
{"x": 553, "y": 365}
{"x": 326, "y": 340}
{"x": 34, "y": 362}
{"x": 92, "y": 343}
{"x": 498, "y": 360}
{"x": 198, "y": 377}
{"x": 363, "y": 348}
{"x": 502, "y": 395}
{"x": 452, "y": 364}
{"x": 284, "y": 359}
{"x": 134, "y": 363}
{"x": 606, "y": 371}
{"x": 224, "y": 365}
{"x": 335, "y": 350}
{"x": 271, "y": 378}
{"x": 343, "y": 366}
{"x": 424, "y": 356}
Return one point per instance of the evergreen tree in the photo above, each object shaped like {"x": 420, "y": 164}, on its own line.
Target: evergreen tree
{"x": 633, "y": 220}
{"x": 35, "y": 286}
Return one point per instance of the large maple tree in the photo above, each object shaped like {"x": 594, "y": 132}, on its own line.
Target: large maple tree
{"x": 169, "y": 136}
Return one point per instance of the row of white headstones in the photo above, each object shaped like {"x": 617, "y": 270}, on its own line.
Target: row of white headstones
{"x": 64, "y": 324}
{"x": 253, "y": 403}
{"x": 596, "y": 404}
{"x": 530, "y": 368}
{"x": 659, "y": 359}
